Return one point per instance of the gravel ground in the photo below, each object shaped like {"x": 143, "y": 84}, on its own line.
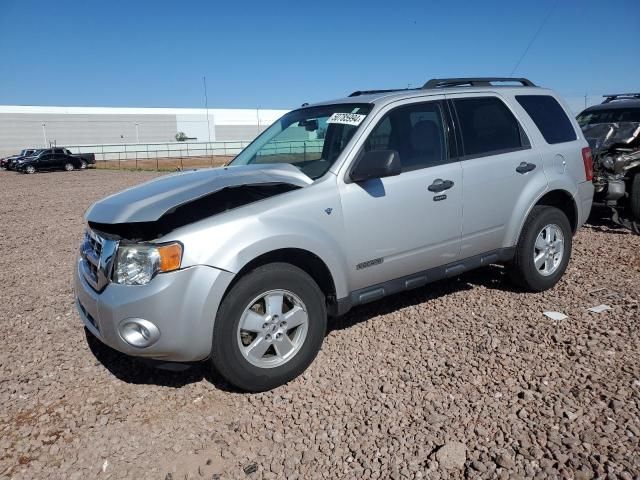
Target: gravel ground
{"x": 462, "y": 378}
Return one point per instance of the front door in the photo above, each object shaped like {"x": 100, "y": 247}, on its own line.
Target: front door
{"x": 399, "y": 225}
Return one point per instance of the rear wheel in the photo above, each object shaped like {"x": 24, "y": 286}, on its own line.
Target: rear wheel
{"x": 543, "y": 249}
{"x": 634, "y": 197}
{"x": 269, "y": 327}
{"x": 68, "y": 166}
{"x": 83, "y": 165}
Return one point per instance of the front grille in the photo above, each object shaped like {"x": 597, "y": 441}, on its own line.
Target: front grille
{"x": 95, "y": 242}
{"x": 97, "y": 254}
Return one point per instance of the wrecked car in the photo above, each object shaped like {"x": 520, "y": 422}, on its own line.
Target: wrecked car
{"x": 613, "y": 132}
{"x": 335, "y": 205}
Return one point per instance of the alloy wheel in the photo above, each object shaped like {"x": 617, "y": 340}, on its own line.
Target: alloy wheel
{"x": 548, "y": 250}
{"x": 273, "y": 328}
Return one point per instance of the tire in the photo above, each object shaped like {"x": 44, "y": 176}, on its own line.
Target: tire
{"x": 68, "y": 166}
{"x": 83, "y": 165}
{"x": 634, "y": 197}
{"x": 233, "y": 352}
{"x": 523, "y": 270}
{"x": 30, "y": 169}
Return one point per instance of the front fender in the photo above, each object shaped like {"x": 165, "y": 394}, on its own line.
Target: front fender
{"x": 233, "y": 240}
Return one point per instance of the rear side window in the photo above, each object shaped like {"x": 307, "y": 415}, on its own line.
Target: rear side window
{"x": 549, "y": 117}
{"x": 488, "y": 127}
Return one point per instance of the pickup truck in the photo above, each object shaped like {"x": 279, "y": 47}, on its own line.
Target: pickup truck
{"x": 53, "y": 159}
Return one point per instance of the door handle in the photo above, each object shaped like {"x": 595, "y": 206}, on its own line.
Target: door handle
{"x": 525, "y": 167}
{"x": 440, "y": 185}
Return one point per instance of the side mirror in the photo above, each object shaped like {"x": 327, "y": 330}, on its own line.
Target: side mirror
{"x": 376, "y": 164}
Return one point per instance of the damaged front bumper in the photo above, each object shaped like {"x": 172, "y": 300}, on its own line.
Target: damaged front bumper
{"x": 181, "y": 305}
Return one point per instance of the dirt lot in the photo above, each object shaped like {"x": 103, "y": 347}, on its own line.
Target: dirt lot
{"x": 462, "y": 378}
{"x": 164, "y": 163}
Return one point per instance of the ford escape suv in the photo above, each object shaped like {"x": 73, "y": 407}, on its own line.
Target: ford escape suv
{"x": 336, "y": 204}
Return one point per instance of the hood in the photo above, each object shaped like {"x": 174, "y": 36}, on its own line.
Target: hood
{"x": 150, "y": 201}
{"x": 605, "y": 136}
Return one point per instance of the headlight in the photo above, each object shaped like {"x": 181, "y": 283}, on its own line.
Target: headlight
{"x": 138, "y": 264}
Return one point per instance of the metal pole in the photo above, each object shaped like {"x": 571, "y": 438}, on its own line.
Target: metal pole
{"x": 44, "y": 134}
{"x": 137, "y": 134}
{"x": 258, "y": 118}
{"x": 585, "y": 100}
{"x": 206, "y": 106}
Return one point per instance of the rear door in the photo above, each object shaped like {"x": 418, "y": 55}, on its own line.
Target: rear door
{"x": 45, "y": 162}
{"x": 397, "y": 226}
{"x": 499, "y": 167}
{"x": 59, "y": 158}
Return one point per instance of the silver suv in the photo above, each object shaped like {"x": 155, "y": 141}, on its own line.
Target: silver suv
{"x": 336, "y": 204}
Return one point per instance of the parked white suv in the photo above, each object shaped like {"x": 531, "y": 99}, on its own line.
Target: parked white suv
{"x": 336, "y": 204}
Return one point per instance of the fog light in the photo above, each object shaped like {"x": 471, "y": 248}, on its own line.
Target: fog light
{"x": 139, "y": 332}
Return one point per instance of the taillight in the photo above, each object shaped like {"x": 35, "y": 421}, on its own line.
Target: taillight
{"x": 588, "y": 163}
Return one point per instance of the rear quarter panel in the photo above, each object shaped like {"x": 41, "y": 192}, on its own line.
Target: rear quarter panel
{"x": 562, "y": 164}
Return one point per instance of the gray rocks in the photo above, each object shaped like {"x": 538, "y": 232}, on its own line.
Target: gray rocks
{"x": 396, "y": 382}
{"x": 505, "y": 461}
{"x": 452, "y": 455}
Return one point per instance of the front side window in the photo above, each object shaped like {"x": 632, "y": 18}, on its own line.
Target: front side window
{"x": 549, "y": 117}
{"x": 416, "y": 132}
{"x": 311, "y": 138}
{"x": 488, "y": 127}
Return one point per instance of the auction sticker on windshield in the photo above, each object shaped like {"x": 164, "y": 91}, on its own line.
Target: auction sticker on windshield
{"x": 354, "y": 119}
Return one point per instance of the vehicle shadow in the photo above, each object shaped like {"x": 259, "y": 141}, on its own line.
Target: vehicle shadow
{"x": 600, "y": 220}
{"x": 175, "y": 375}
{"x": 149, "y": 372}
{"x": 492, "y": 277}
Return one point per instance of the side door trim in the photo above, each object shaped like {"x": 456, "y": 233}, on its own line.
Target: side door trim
{"x": 420, "y": 279}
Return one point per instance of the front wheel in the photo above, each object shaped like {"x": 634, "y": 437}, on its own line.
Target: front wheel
{"x": 269, "y": 327}
{"x": 30, "y": 169}
{"x": 543, "y": 249}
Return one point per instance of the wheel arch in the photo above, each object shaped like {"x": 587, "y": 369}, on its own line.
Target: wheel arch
{"x": 305, "y": 260}
{"x": 559, "y": 198}
{"x": 564, "y": 201}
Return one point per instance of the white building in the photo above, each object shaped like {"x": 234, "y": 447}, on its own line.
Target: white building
{"x": 36, "y": 127}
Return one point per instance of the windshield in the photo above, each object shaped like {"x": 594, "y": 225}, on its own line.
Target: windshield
{"x": 613, "y": 115}
{"x": 311, "y": 139}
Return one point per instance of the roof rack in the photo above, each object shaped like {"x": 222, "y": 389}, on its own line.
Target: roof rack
{"x": 610, "y": 97}
{"x": 474, "y": 82}
{"x": 357, "y": 93}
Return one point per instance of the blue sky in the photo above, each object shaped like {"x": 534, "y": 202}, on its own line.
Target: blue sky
{"x": 281, "y": 54}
